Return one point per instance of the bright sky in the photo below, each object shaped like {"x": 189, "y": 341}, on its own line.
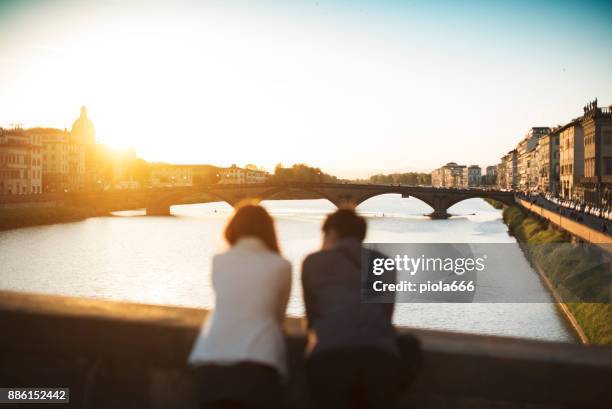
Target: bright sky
{"x": 351, "y": 86}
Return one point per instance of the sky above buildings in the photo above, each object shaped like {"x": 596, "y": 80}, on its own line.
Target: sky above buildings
{"x": 354, "y": 87}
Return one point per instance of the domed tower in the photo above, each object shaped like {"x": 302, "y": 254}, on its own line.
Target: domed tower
{"x": 83, "y": 129}
{"x": 83, "y": 134}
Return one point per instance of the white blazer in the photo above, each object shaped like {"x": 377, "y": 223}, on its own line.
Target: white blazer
{"x": 252, "y": 286}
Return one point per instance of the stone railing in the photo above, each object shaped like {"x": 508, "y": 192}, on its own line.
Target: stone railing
{"x": 124, "y": 355}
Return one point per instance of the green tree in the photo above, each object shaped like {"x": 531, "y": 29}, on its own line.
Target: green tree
{"x": 408, "y": 178}
{"x": 301, "y": 172}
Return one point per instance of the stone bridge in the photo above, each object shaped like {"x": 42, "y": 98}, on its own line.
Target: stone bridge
{"x": 159, "y": 202}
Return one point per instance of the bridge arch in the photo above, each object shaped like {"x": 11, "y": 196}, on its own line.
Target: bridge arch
{"x": 440, "y": 200}
{"x": 160, "y": 206}
{"x": 505, "y": 200}
{"x": 365, "y": 198}
{"x": 271, "y": 192}
{"x": 368, "y": 196}
{"x": 448, "y": 199}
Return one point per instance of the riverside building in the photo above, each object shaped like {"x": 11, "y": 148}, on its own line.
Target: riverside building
{"x": 20, "y": 162}
{"x": 596, "y": 185}
{"x": 511, "y": 170}
{"x": 168, "y": 175}
{"x": 491, "y": 175}
{"x": 63, "y": 160}
{"x": 571, "y": 158}
{"x": 526, "y": 159}
{"x": 248, "y": 174}
{"x": 501, "y": 175}
{"x": 474, "y": 173}
{"x": 548, "y": 162}
{"x": 573, "y": 161}
{"x": 450, "y": 175}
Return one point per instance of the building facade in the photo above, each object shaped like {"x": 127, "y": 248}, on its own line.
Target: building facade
{"x": 248, "y": 174}
{"x": 167, "y": 175}
{"x": 522, "y": 159}
{"x": 534, "y": 170}
{"x": 20, "y": 162}
{"x": 511, "y": 170}
{"x": 204, "y": 175}
{"x": 596, "y": 184}
{"x": 501, "y": 175}
{"x": 543, "y": 163}
{"x": 437, "y": 177}
{"x": 474, "y": 175}
{"x": 84, "y": 132}
{"x": 527, "y": 169}
{"x": 571, "y": 159}
{"x": 255, "y": 175}
{"x": 63, "y": 160}
{"x": 450, "y": 175}
{"x": 554, "y": 160}
{"x": 491, "y": 175}
{"x": 548, "y": 162}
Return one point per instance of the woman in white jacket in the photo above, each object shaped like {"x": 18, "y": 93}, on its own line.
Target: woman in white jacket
{"x": 239, "y": 356}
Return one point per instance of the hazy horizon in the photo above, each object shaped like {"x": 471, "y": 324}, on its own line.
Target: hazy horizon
{"x": 355, "y": 88}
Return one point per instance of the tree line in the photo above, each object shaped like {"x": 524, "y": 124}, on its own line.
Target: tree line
{"x": 301, "y": 172}
{"x": 409, "y": 178}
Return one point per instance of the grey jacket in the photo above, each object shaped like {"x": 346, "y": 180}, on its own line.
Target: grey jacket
{"x": 331, "y": 282}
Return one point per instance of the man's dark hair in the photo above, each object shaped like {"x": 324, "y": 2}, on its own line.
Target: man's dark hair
{"x": 346, "y": 223}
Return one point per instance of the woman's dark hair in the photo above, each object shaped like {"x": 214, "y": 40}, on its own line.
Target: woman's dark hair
{"x": 346, "y": 223}
{"x": 251, "y": 220}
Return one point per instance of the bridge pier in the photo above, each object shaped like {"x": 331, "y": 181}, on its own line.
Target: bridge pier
{"x": 343, "y": 200}
{"x": 158, "y": 209}
{"x": 439, "y": 214}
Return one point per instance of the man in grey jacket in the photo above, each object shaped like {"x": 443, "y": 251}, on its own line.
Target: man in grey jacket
{"x": 353, "y": 353}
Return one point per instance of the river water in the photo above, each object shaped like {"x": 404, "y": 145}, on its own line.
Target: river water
{"x": 166, "y": 260}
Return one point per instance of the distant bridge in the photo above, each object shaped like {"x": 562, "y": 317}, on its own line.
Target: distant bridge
{"x": 159, "y": 201}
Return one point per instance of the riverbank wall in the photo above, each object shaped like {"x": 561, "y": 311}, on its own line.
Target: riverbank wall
{"x": 126, "y": 355}
{"x": 572, "y": 227}
{"x": 16, "y": 217}
{"x": 570, "y": 272}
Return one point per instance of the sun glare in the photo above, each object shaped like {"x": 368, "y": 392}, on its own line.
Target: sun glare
{"x": 220, "y": 84}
